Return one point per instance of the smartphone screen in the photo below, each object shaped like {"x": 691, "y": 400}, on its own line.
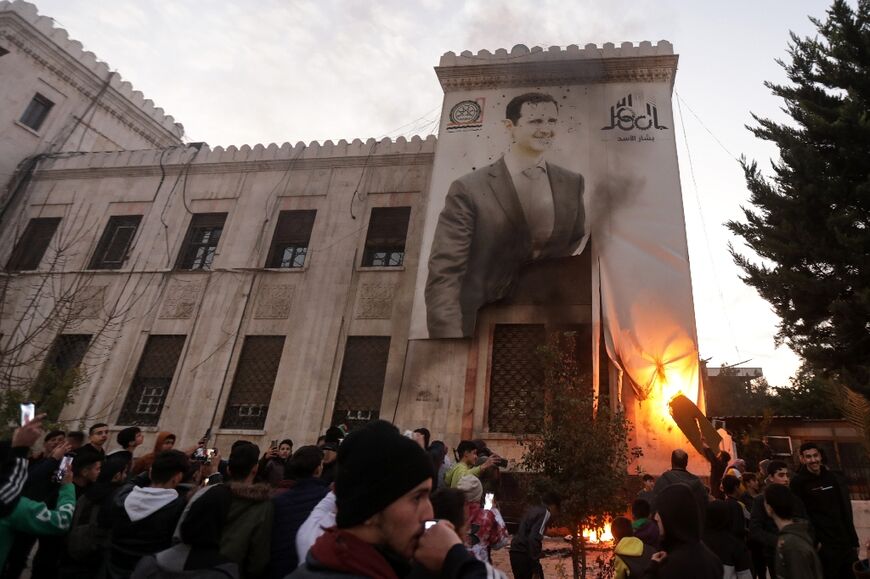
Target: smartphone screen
{"x": 487, "y": 501}
{"x": 28, "y": 411}
{"x": 65, "y": 465}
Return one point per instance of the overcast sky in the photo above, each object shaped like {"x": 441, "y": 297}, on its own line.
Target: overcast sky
{"x": 263, "y": 71}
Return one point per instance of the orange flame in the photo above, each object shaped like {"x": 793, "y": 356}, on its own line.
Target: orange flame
{"x": 598, "y": 536}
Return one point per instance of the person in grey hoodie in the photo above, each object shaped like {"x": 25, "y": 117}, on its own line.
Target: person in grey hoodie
{"x": 795, "y": 553}
{"x": 145, "y": 516}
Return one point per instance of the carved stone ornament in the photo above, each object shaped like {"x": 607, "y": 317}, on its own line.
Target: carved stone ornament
{"x": 274, "y": 302}
{"x": 89, "y": 303}
{"x": 375, "y": 301}
{"x": 181, "y": 299}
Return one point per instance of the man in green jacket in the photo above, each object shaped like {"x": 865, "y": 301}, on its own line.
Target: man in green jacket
{"x": 467, "y": 452}
{"x": 795, "y": 554}
{"x": 247, "y": 535}
{"x": 36, "y": 518}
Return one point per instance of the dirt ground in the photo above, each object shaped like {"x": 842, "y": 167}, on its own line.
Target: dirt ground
{"x": 557, "y": 564}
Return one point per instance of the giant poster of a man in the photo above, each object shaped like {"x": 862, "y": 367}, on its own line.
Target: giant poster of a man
{"x": 500, "y": 217}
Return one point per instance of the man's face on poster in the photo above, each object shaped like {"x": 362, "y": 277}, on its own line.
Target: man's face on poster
{"x": 534, "y": 131}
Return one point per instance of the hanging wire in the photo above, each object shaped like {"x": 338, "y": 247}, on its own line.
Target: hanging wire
{"x": 704, "y": 230}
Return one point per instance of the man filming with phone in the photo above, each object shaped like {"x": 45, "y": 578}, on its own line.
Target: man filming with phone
{"x": 26, "y": 515}
{"x": 466, "y": 453}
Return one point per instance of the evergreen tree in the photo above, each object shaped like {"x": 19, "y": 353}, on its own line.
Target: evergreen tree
{"x": 810, "y": 221}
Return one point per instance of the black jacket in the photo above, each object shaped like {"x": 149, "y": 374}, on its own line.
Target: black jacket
{"x": 530, "y": 535}
{"x": 687, "y": 556}
{"x": 681, "y": 475}
{"x": 458, "y": 564}
{"x": 132, "y": 540}
{"x": 291, "y": 508}
{"x": 826, "y": 498}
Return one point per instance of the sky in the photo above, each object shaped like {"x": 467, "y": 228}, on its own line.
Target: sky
{"x": 248, "y": 72}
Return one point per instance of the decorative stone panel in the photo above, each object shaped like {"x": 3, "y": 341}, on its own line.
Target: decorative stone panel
{"x": 88, "y": 304}
{"x": 181, "y": 299}
{"x": 274, "y": 301}
{"x": 375, "y": 301}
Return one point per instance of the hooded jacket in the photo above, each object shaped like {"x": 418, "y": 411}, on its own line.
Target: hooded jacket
{"x": 247, "y": 535}
{"x": 144, "y": 519}
{"x": 795, "y": 555}
{"x": 647, "y": 531}
{"x": 763, "y": 530}
{"x": 198, "y": 534}
{"x": 632, "y": 558}
{"x": 291, "y": 508}
{"x": 826, "y": 498}
{"x": 36, "y": 518}
{"x": 687, "y": 556}
{"x": 144, "y": 462}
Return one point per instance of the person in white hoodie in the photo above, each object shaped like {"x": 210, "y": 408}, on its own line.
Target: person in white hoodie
{"x": 146, "y": 514}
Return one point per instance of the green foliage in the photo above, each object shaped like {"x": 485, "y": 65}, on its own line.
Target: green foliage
{"x": 50, "y": 391}
{"x": 730, "y": 394}
{"x": 582, "y": 453}
{"x": 808, "y": 395}
{"x": 810, "y": 222}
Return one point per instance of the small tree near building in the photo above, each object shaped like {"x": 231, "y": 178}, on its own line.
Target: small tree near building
{"x": 582, "y": 452}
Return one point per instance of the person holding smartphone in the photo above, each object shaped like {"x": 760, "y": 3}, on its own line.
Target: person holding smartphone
{"x": 35, "y": 518}
{"x": 486, "y": 528}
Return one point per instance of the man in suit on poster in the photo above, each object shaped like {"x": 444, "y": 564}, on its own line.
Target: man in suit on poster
{"x": 500, "y": 217}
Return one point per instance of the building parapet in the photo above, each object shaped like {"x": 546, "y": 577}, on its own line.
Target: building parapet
{"x": 523, "y": 66}
{"x": 87, "y": 60}
{"x": 245, "y": 158}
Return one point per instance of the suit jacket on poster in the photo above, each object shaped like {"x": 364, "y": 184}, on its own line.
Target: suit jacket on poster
{"x": 482, "y": 239}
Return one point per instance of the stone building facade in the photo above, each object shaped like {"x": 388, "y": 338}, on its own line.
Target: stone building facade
{"x": 267, "y": 291}
{"x": 57, "y": 97}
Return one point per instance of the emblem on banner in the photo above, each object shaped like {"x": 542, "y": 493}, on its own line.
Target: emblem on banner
{"x": 466, "y": 115}
{"x": 624, "y": 117}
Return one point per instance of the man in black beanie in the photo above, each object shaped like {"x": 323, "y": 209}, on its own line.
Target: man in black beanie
{"x": 382, "y": 497}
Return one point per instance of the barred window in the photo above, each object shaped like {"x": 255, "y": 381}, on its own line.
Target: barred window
{"x": 201, "y": 242}
{"x": 32, "y": 245}
{"x": 59, "y": 373}
{"x": 516, "y": 387}
{"x": 361, "y": 384}
{"x": 115, "y": 242}
{"x": 253, "y": 383}
{"x": 290, "y": 242}
{"x": 36, "y": 112}
{"x": 385, "y": 240}
{"x": 150, "y": 385}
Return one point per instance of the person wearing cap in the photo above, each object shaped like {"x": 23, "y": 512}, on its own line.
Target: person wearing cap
{"x": 467, "y": 463}
{"x": 486, "y": 528}
{"x": 382, "y": 489}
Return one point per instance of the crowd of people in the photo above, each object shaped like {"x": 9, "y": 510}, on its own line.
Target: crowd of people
{"x": 767, "y": 524}
{"x": 376, "y": 502}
